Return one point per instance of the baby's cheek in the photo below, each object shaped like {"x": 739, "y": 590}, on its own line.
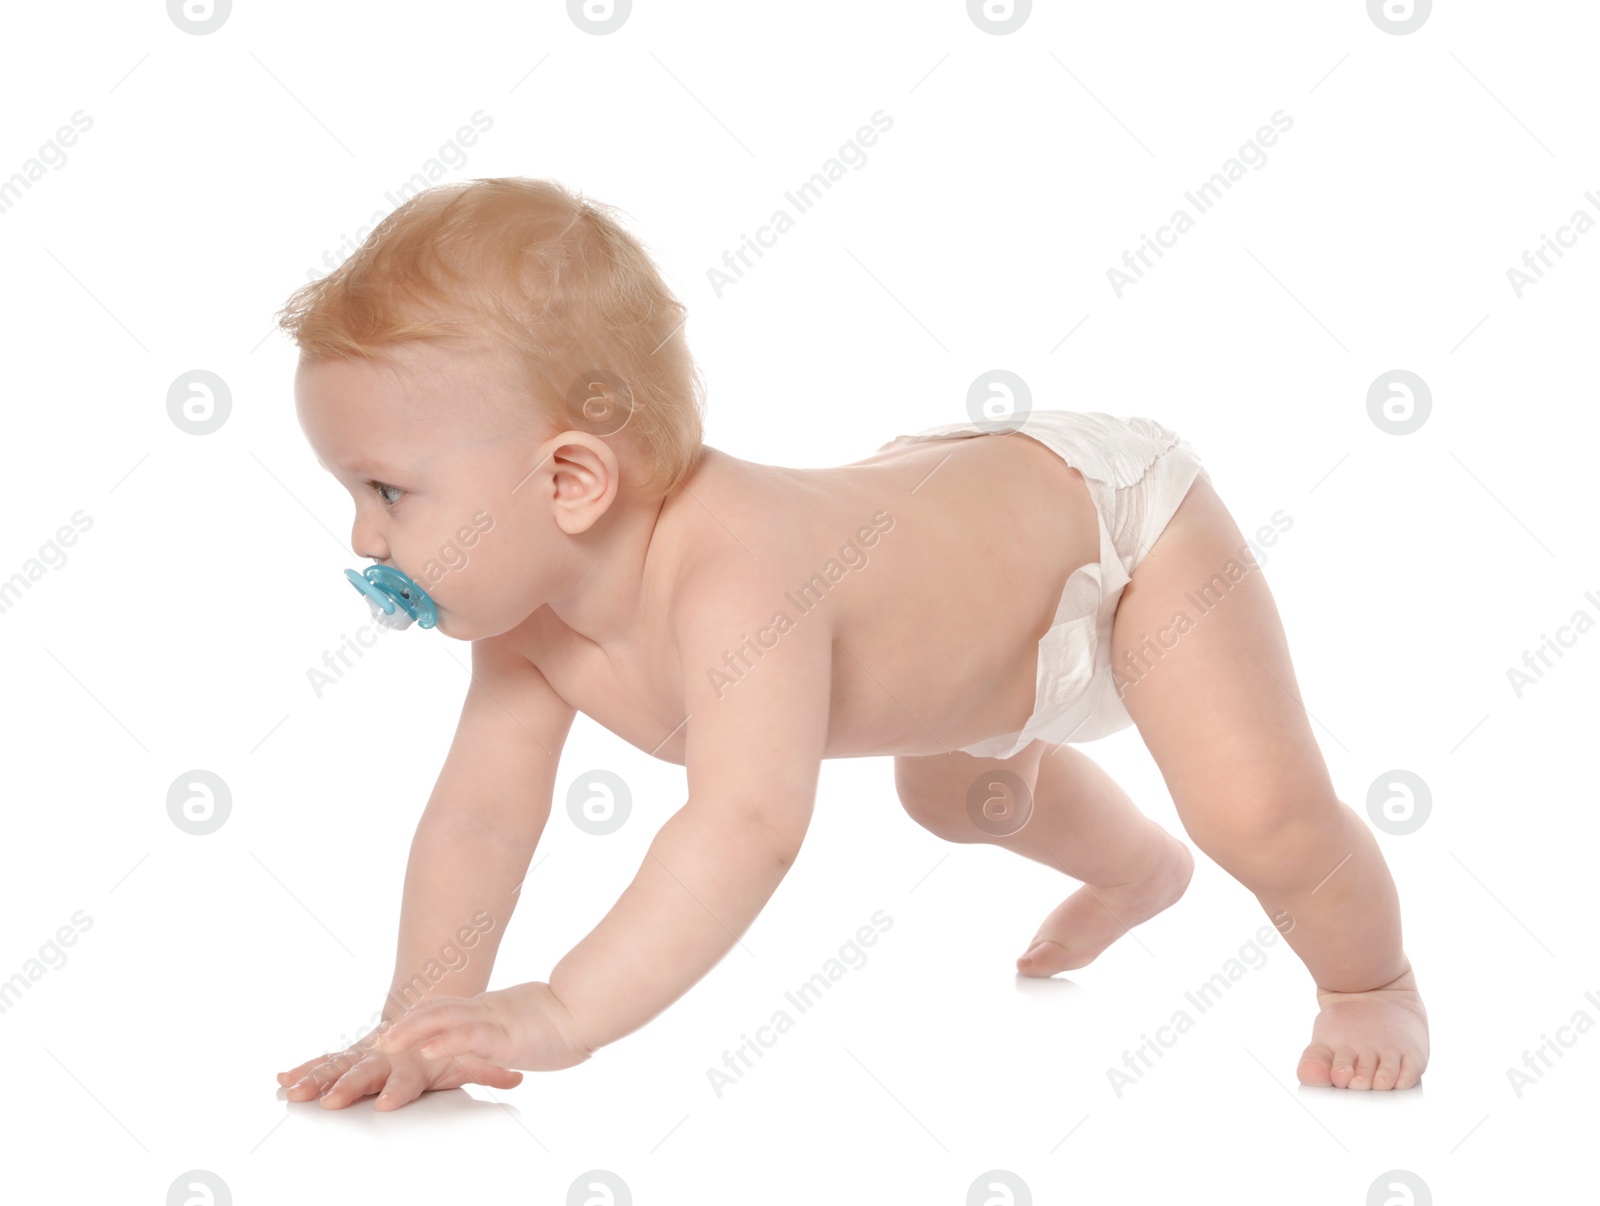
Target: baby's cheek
{"x": 451, "y": 559}
{"x": 460, "y": 559}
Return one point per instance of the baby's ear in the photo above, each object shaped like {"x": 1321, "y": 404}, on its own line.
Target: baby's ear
{"x": 587, "y": 477}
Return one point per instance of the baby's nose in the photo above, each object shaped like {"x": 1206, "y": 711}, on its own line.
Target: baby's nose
{"x": 368, "y": 546}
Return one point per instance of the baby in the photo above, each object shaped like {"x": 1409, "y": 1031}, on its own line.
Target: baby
{"x": 500, "y": 368}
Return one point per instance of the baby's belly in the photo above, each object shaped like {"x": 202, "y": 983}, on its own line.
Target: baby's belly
{"x": 934, "y": 715}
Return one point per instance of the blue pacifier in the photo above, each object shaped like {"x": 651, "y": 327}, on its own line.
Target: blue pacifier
{"x": 394, "y": 598}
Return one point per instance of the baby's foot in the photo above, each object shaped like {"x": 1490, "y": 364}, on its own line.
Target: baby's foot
{"x": 1092, "y": 918}
{"x": 1368, "y": 1040}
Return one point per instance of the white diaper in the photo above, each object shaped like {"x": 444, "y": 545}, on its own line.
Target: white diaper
{"x": 1137, "y": 472}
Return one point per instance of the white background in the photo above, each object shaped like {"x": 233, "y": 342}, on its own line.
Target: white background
{"x": 178, "y": 633}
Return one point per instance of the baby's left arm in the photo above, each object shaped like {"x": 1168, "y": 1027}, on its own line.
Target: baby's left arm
{"x": 753, "y": 751}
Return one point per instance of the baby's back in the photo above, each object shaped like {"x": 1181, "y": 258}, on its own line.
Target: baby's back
{"x": 936, "y": 567}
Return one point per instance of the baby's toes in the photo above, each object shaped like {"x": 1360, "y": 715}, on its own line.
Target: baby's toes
{"x": 1410, "y": 1073}
{"x": 1316, "y": 1062}
{"x": 1344, "y": 1069}
{"x": 1366, "y": 1065}
{"x": 1388, "y": 1070}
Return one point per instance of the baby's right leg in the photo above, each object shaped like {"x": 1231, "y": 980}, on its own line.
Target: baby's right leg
{"x": 1221, "y": 712}
{"x": 1078, "y": 821}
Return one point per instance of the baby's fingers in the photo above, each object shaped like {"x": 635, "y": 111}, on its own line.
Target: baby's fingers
{"x": 407, "y": 1081}
{"x": 366, "y": 1077}
{"x": 410, "y": 1079}
{"x": 487, "y": 1040}
{"x": 481, "y": 1071}
{"x": 319, "y": 1074}
{"x": 299, "y": 1070}
{"x": 423, "y": 1023}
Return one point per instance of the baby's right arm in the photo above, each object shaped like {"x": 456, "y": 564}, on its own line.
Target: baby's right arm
{"x": 479, "y": 831}
{"x": 471, "y": 851}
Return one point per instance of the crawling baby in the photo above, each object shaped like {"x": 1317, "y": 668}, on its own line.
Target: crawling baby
{"x": 500, "y": 366}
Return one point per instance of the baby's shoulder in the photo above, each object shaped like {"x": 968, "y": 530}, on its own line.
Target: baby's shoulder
{"x": 739, "y": 588}
{"x": 714, "y": 584}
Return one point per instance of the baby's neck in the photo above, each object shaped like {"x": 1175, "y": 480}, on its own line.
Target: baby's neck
{"x": 633, "y": 552}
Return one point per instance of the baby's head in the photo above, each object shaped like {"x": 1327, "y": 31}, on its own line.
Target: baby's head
{"x": 496, "y": 370}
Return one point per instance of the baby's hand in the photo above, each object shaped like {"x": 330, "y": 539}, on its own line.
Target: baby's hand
{"x": 402, "y": 1076}
{"x": 520, "y": 1027}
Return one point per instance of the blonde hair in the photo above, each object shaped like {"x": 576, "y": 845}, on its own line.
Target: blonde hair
{"x": 545, "y": 283}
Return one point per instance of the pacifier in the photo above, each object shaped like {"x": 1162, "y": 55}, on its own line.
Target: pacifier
{"x": 394, "y": 598}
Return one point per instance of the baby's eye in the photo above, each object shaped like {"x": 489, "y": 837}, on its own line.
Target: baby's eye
{"x": 380, "y": 488}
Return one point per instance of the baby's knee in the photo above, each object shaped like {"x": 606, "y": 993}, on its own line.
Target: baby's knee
{"x": 1262, "y": 822}
{"x": 961, "y": 798}
{"x": 923, "y": 801}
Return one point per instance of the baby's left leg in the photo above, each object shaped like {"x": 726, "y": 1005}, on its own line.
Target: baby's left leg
{"x": 1058, "y": 808}
{"x": 1088, "y": 827}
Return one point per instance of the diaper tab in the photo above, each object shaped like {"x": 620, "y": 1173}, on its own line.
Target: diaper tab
{"x": 394, "y": 598}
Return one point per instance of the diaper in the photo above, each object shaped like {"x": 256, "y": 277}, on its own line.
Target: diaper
{"x": 1137, "y": 472}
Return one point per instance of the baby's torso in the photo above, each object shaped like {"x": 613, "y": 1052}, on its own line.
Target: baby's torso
{"x": 937, "y": 566}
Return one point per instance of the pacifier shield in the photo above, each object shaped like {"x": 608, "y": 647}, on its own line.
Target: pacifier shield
{"x": 394, "y": 598}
